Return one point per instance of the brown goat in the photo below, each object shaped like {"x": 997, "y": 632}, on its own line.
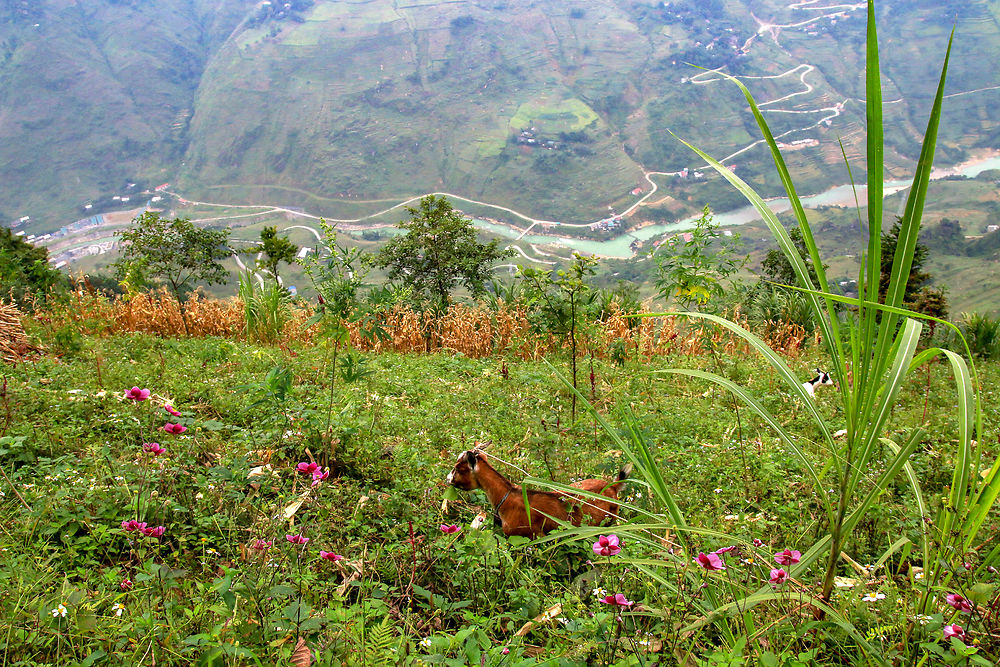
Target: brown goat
{"x": 473, "y": 471}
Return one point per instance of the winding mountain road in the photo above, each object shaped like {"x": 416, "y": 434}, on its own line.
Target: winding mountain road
{"x": 826, "y": 114}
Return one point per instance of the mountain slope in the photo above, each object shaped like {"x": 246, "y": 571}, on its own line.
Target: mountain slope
{"x": 97, "y": 93}
{"x": 552, "y": 108}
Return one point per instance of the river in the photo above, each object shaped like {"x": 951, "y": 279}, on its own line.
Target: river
{"x": 620, "y": 246}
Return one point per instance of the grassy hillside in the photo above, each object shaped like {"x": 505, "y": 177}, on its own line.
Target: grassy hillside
{"x": 223, "y": 580}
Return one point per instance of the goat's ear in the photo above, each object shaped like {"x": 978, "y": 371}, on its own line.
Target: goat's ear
{"x": 471, "y": 457}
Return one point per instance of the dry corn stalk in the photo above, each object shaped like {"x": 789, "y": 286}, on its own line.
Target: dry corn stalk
{"x": 13, "y": 340}
{"x": 475, "y": 331}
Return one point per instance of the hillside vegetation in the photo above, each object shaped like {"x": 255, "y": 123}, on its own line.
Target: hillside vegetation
{"x": 225, "y": 581}
{"x": 324, "y": 102}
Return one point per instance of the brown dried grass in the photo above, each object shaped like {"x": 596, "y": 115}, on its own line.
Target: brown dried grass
{"x": 475, "y": 331}
{"x": 13, "y": 339}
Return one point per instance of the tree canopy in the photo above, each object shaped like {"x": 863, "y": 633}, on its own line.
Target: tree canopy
{"x": 24, "y": 268}
{"x": 438, "y": 252}
{"x": 276, "y": 249}
{"x": 174, "y": 253}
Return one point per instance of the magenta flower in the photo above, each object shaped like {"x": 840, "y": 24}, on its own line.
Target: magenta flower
{"x": 959, "y": 602}
{"x": 787, "y": 557}
{"x": 330, "y": 556}
{"x": 171, "y": 411}
{"x": 953, "y": 630}
{"x": 153, "y": 532}
{"x": 320, "y": 476}
{"x": 296, "y": 539}
{"x": 618, "y": 600}
{"x": 133, "y": 525}
{"x": 126, "y": 585}
{"x": 261, "y": 545}
{"x": 711, "y": 562}
{"x": 136, "y": 394}
{"x": 307, "y": 468}
{"x": 607, "y": 546}
{"x": 725, "y": 550}
{"x": 174, "y": 429}
{"x": 449, "y": 529}
{"x": 778, "y": 577}
{"x": 758, "y": 542}
{"x": 153, "y": 448}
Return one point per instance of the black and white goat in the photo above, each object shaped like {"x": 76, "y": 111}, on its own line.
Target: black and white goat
{"x": 821, "y": 378}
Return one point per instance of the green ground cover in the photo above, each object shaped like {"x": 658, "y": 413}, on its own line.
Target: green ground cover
{"x": 405, "y": 592}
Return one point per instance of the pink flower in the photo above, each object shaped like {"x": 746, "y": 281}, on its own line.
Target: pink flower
{"x": 505, "y": 651}
{"x": 711, "y": 561}
{"x": 725, "y": 550}
{"x": 953, "y": 630}
{"x": 778, "y": 577}
{"x": 126, "y": 585}
{"x": 296, "y": 539}
{"x": 174, "y": 429}
{"x": 307, "y": 468}
{"x": 787, "y": 557}
{"x": 607, "y": 546}
{"x": 330, "y": 556}
{"x": 153, "y": 448}
{"x": 137, "y": 394}
{"x": 320, "y": 476}
{"x": 154, "y": 532}
{"x": 261, "y": 545}
{"x": 758, "y": 543}
{"x": 617, "y": 599}
{"x": 171, "y": 411}
{"x": 133, "y": 525}
{"x": 449, "y": 529}
{"x": 959, "y": 602}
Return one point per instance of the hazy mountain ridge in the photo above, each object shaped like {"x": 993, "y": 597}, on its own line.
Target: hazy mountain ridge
{"x": 249, "y": 101}
{"x": 98, "y": 93}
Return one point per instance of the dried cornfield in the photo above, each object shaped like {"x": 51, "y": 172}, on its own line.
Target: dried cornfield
{"x": 13, "y": 340}
{"x": 472, "y": 330}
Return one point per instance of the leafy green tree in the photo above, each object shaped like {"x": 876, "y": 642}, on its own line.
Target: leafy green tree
{"x": 560, "y": 303}
{"x": 276, "y": 249}
{"x": 174, "y": 253}
{"x": 24, "y": 268}
{"x": 692, "y": 272}
{"x": 439, "y": 250}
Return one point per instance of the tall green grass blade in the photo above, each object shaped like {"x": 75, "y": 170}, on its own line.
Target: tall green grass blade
{"x": 775, "y": 360}
{"x": 907, "y": 240}
{"x": 640, "y": 455}
{"x": 906, "y": 345}
{"x": 900, "y": 459}
{"x": 875, "y": 154}
{"x": 960, "y": 477}
{"x": 829, "y": 325}
{"x": 771, "y": 421}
